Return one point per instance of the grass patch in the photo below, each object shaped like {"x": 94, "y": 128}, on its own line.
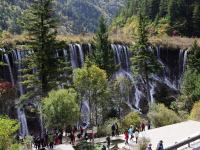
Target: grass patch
{"x": 18, "y": 41}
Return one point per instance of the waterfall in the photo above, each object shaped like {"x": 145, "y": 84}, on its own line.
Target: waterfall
{"x": 73, "y": 56}
{"x": 185, "y": 60}
{"x": 173, "y": 63}
{"x": 85, "y": 111}
{"x": 20, "y": 111}
{"x": 152, "y": 91}
{"x": 117, "y": 56}
{"x": 138, "y": 95}
{"x": 90, "y": 48}
{"x": 80, "y": 54}
{"x": 9, "y": 66}
{"x": 77, "y": 59}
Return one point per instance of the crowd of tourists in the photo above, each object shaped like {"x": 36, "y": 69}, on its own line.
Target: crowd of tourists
{"x": 48, "y": 139}
{"x": 74, "y": 135}
{"x": 130, "y": 134}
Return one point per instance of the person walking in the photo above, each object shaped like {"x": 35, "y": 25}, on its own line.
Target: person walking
{"x": 81, "y": 130}
{"x": 108, "y": 141}
{"x": 113, "y": 129}
{"x": 149, "y": 124}
{"x": 72, "y": 137}
{"x": 38, "y": 142}
{"x": 60, "y": 136}
{"x": 86, "y": 136}
{"x": 136, "y": 136}
{"x": 142, "y": 126}
{"x": 130, "y": 131}
{"x": 160, "y": 145}
{"x": 116, "y": 129}
{"x": 126, "y": 137}
{"x": 103, "y": 148}
{"x": 51, "y": 140}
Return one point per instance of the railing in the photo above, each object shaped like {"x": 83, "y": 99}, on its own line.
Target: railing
{"x": 183, "y": 143}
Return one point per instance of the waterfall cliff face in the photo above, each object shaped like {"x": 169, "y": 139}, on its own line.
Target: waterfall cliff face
{"x": 20, "y": 111}
{"x": 168, "y": 81}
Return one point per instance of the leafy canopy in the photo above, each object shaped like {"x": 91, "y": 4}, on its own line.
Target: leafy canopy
{"x": 60, "y": 108}
{"x": 162, "y": 116}
{"x": 8, "y": 128}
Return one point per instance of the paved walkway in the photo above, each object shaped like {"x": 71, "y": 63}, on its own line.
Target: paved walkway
{"x": 61, "y": 147}
{"x": 169, "y": 134}
{"x": 173, "y": 133}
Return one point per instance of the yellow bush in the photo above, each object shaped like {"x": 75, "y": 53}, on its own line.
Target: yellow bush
{"x": 195, "y": 113}
{"x": 132, "y": 118}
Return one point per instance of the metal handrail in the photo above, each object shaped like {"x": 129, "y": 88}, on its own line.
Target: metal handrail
{"x": 183, "y": 143}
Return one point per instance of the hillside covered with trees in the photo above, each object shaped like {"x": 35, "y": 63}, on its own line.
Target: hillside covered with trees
{"x": 174, "y": 17}
{"x": 74, "y": 15}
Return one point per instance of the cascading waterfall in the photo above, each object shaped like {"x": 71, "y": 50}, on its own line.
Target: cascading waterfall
{"x": 170, "y": 77}
{"x": 122, "y": 59}
{"x": 9, "y": 66}
{"x": 80, "y": 54}
{"x": 20, "y": 111}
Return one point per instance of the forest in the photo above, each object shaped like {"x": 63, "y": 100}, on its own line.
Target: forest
{"x": 175, "y": 17}
{"x": 58, "y": 92}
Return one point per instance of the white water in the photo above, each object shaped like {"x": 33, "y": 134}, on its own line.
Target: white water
{"x": 121, "y": 58}
{"x": 20, "y": 111}
{"x": 80, "y": 54}
{"x": 9, "y": 66}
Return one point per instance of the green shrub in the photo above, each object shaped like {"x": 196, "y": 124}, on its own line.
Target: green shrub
{"x": 160, "y": 116}
{"x": 14, "y": 147}
{"x": 132, "y": 118}
{"x": 105, "y": 129}
{"x": 143, "y": 143}
{"x": 195, "y": 113}
{"x": 8, "y": 128}
{"x": 87, "y": 146}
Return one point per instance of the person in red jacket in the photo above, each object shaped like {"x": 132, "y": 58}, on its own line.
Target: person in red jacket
{"x": 126, "y": 137}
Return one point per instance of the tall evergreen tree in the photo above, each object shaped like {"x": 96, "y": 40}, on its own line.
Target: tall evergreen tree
{"x": 42, "y": 70}
{"x": 196, "y": 19}
{"x": 103, "y": 54}
{"x": 193, "y": 62}
{"x": 144, "y": 62}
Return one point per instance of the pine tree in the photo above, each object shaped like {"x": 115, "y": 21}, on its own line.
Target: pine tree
{"x": 43, "y": 68}
{"x": 144, "y": 62}
{"x": 196, "y": 20}
{"x": 103, "y": 54}
{"x": 193, "y": 62}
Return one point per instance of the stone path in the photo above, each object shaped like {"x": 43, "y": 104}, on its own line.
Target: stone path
{"x": 169, "y": 134}
{"x": 61, "y": 147}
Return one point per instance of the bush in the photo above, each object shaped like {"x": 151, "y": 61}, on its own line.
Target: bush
{"x": 14, "y": 147}
{"x": 105, "y": 129}
{"x": 195, "y": 113}
{"x": 143, "y": 143}
{"x": 8, "y": 128}
{"x": 87, "y": 146}
{"x": 132, "y": 118}
{"x": 60, "y": 107}
{"x": 160, "y": 116}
